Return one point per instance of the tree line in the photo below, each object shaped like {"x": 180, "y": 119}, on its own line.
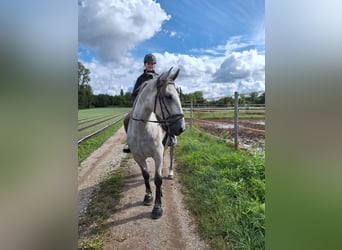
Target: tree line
{"x": 86, "y": 98}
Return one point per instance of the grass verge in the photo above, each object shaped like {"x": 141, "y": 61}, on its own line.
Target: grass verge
{"x": 225, "y": 190}
{"x": 92, "y": 232}
{"x": 86, "y": 148}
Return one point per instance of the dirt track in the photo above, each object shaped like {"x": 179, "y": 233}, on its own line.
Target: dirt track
{"x": 131, "y": 226}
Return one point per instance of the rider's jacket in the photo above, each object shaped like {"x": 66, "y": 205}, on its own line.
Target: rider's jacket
{"x": 147, "y": 75}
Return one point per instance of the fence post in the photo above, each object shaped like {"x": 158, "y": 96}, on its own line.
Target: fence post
{"x": 236, "y": 123}
{"x": 190, "y": 112}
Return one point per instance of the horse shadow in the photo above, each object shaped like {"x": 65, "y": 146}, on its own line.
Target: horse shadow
{"x": 140, "y": 216}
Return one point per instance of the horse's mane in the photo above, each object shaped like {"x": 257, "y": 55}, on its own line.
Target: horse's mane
{"x": 141, "y": 87}
{"x": 144, "y": 84}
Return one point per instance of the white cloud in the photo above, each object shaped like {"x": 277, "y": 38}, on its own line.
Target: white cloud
{"x": 114, "y": 27}
{"x": 111, "y": 29}
{"x": 190, "y": 66}
{"x": 241, "y": 65}
{"x": 243, "y": 70}
{"x": 232, "y": 44}
{"x": 110, "y": 78}
{"x": 215, "y": 77}
{"x": 173, "y": 33}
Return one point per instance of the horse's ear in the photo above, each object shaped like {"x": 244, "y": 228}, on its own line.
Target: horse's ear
{"x": 174, "y": 76}
{"x": 165, "y": 75}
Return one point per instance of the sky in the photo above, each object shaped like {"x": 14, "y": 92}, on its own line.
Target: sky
{"x": 218, "y": 45}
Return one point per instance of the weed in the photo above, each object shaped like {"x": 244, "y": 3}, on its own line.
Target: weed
{"x": 95, "y": 243}
{"x": 225, "y": 135}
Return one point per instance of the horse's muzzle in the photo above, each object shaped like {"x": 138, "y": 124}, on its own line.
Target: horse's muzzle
{"x": 177, "y": 127}
{"x": 180, "y": 130}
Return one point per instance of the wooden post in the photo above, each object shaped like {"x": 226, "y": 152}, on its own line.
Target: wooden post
{"x": 190, "y": 112}
{"x": 236, "y": 120}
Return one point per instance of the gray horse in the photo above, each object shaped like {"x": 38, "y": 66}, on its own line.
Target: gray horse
{"x": 157, "y": 113}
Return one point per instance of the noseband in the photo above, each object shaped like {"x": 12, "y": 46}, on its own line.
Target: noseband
{"x": 167, "y": 118}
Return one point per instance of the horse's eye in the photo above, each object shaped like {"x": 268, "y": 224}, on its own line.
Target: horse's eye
{"x": 168, "y": 96}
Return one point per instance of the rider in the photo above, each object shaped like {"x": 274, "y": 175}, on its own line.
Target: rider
{"x": 149, "y": 73}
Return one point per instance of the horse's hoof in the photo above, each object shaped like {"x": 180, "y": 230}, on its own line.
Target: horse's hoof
{"x": 126, "y": 150}
{"x": 148, "y": 199}
{"x": 170, "y": 177}
{"x": 157, "y": 212}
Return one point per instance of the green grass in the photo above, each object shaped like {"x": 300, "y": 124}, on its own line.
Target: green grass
{"x": 92, "y": 231}
{"x": 86, "y": 148}
{"x": 224, "y": 189}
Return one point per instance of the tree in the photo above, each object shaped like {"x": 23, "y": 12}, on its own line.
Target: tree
{"x": 101, "y": 100}
{"x": 261, "y": 99}
{"x": 253, "y": 97}
{"x": 242, "y": 99}
{"x": 85, "y": 92}
{"x": 83, "y": 74}
{"x": 198, "y": 97}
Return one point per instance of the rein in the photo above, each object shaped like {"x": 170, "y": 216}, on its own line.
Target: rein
{"x": 166, "y": 121}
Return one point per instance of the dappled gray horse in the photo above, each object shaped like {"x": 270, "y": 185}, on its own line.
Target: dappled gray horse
{"x": 157, "y": 112}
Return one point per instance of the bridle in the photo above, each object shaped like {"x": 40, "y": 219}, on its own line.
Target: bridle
{"x": 167, "y": 118}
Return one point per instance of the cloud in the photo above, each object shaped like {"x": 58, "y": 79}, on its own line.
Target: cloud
{"x": 215, "y": 77}
{"x": 246, "y": 65}
{"x": 114, "y": 27}
{"x": 190, "y": 66}
{"x": 110, "y": 78}
{"x": 171, "y": 33}
{"x": 232, "y": 44}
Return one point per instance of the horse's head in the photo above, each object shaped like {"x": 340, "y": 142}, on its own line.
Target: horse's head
{"x": 170, "y": 108}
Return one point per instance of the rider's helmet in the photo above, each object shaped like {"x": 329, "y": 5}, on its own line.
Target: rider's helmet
{"x": 149, "y": 58}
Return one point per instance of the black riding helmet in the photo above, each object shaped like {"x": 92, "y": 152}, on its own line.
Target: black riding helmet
{"x": 149, "y": 58}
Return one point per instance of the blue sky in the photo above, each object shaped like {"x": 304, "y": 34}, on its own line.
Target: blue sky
{"x": 218, "y": 45}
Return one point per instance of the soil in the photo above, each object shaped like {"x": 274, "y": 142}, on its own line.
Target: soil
{"x": 131, "y": 225}
{"x": 251, "y": 131}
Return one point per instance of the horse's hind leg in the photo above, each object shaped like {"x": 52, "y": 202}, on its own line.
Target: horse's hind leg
{"x": 148, "y": 199}
{"x": 172, "y": 152}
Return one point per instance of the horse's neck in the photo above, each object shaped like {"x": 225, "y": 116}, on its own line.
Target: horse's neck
{"x": 145, "y": 102}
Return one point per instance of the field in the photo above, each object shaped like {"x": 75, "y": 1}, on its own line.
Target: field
{"x": 214, "y": 113}
{"x": 220, "y": 123}
{"x": 91, "y": 120}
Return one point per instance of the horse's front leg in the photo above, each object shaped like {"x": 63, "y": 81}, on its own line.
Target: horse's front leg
{"x": 148, "y": 199}
{"x": 157, "y": 211}
{"x": 172, "y": 152}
